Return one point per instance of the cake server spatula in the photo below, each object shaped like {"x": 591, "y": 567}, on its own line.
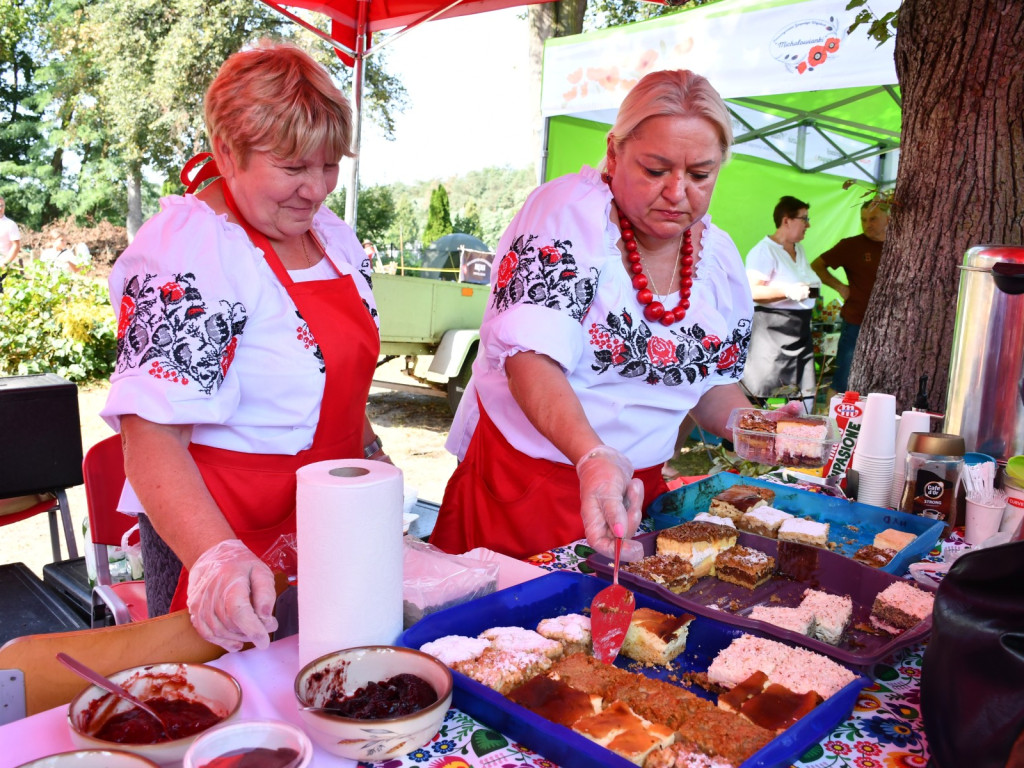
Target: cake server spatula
{"x": 610, "y": 614}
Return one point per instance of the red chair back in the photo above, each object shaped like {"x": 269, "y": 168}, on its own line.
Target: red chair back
{"x": 103, "y": 469}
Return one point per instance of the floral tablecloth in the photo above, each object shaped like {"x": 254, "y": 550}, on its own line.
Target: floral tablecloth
{"x": 883, "y": 731}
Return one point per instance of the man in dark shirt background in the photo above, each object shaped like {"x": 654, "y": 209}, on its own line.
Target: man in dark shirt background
{"x": 858, "y": 257}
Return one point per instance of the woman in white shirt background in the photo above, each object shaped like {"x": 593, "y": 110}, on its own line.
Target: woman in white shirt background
{"x": 784, "y": 288}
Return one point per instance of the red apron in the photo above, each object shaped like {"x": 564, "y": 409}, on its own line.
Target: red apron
{"x": 502, "y": 499}
{"x": 256, "y": 492}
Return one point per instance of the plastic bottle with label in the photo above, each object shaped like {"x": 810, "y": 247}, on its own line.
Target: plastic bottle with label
{"x": 935, "y": 462}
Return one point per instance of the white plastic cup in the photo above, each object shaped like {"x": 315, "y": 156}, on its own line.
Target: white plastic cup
{"x": 1013, "y": 512}
{"x": 878, "y": 428}
{"x": 983, "y": 520}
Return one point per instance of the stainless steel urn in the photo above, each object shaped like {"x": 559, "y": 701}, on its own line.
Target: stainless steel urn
{"x": 985, "y": 399}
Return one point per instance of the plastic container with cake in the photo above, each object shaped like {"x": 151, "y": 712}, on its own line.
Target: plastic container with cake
{"x": 782, "y": 439}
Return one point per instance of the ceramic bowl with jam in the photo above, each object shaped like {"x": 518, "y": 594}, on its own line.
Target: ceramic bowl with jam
{"x": 374, "y": 702}
{"x": 191, "y": 698}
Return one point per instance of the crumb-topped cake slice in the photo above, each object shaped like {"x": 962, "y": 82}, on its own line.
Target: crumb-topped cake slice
{"x": 654, "y": 637}
{"x": 502, "y": 669}
{"x": 764, "y": 521}
{"x": 684, "y": 754}
{"x": 521, "y": 639}
{"x": 673, "y": 572}
{"x": 744, "y": 566}
{"x": 451, "y": 649}
{"x": 901, "y": 606}
{"x": 572, "y": 630}
{"x": 736, "y": 500}
{"x": 804, "y": 531}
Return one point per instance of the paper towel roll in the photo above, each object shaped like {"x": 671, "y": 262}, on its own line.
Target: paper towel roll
{"x": 349, "y": 539}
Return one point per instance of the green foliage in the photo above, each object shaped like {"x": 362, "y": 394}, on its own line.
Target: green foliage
{"x": 880, "y": 28}
{"x": 439, "y": 216}
{"x": 52, "y": 321}
{"x": 374, "y": 215}
{"x": 469, "y": 221}
{"x": 602, "y": 14}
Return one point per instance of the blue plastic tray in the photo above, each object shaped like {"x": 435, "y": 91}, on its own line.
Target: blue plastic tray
{"x": 564, "y": 592}
{"x": 851, "y": 524}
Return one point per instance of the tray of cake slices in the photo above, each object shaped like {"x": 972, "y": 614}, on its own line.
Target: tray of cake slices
{"x": 883, "y": 538}
{"x": 804, "y": 594}
{"x": 685, "y": 688}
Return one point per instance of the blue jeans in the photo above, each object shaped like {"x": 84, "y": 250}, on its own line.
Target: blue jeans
{"x": 844, "y": 355}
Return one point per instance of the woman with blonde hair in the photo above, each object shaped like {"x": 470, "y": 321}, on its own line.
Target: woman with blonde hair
{"x": 617, "y": 308}
{"x": 247, "y": 338}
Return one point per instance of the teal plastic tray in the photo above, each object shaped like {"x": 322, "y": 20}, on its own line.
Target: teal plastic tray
{"x": 851, "y": 525}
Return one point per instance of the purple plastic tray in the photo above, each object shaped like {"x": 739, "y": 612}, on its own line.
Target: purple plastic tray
{"x": 564, "y": 592}
{"x": 798, "y": 567}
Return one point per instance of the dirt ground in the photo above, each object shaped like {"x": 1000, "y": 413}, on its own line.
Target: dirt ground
{"x": 412, "y": 427}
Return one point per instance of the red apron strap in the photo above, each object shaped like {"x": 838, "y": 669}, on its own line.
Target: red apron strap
{"x": 205, "y": 167}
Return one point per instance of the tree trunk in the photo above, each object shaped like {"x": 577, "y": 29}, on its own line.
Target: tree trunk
{"x": 134, "y": 202}
{"x": 548, "y": 20}
{"x": 960, "y": 66}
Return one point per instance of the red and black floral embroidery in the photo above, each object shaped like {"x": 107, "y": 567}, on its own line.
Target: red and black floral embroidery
{"x": 305, "y": 337}
{"x": 171, "y": 328}
{"x": 630, "y": 348}
{"x": 546, "y": 276}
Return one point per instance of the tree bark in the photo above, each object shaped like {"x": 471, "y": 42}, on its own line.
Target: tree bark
{"x": 134, "y": 181}
{"x": 960, "y": 66}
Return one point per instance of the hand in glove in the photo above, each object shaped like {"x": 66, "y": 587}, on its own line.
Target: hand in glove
{"x": 231, "y": 596}
{"x": 610, "y": 501}
{"x": 797, "y": 291}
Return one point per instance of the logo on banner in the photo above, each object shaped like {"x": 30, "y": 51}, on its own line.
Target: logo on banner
{"x": 806, "y": 45}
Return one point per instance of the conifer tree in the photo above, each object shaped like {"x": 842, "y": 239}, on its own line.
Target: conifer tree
{"x": 439, "y": 216}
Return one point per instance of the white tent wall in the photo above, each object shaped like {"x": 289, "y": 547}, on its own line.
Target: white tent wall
{"x": 812, "y": 105}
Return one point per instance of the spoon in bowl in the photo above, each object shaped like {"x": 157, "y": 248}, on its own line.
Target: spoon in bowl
{"x": 107, "y": 684}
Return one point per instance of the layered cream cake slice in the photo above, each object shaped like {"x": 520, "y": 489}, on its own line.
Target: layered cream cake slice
{"x": 707, "y": 517}
{"x": 697, "y": 542}
{"x": 831, "y": 614}
{"x": 744, "y": 566}
{"x": 804, "y": 531}
{"x": 764, "y": 521}
{"x": 800, "y": 441}
{"x": 654, "y": 637}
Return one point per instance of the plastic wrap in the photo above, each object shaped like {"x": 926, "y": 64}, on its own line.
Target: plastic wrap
{"x": 434, "y": 579}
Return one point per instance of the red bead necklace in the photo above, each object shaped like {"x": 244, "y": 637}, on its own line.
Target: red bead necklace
{"x": 655, "y": 310}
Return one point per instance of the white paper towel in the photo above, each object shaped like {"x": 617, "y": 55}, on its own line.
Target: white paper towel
{"x": 349, "y": 539}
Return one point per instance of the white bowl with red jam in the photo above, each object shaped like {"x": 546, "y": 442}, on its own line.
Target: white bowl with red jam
{"x": 191, "y": 699}
{"x": 373, "y": 702}
{"x": 91, "y": 758}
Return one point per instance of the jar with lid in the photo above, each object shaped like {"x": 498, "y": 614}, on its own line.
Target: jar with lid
{"x": 935, "y": 463}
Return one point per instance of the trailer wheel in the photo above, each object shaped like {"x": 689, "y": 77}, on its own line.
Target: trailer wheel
{"x": 457, "y": 384}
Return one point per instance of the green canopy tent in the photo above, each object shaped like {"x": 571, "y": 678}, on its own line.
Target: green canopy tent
{"x": 811, "y": 105}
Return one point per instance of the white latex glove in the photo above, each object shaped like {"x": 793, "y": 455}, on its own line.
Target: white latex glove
{"x": 797, "y": 291}
{"x": 610, "y": 502}
{"x": 231, "y": 596}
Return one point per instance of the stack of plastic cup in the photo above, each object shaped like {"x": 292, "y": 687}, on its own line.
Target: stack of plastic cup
{"x": 910, "y": 422}
{"x": 874, "y": 457}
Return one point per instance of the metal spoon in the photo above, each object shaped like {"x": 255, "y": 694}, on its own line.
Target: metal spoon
{"x": 107, "y": 684}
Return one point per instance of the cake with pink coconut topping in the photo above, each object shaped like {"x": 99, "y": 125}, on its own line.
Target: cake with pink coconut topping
{"x": 901, "y": 606}
{"x": 831, "y": 614}
{"x": 797, "y": 669}
{"x": 800, "y": 441}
